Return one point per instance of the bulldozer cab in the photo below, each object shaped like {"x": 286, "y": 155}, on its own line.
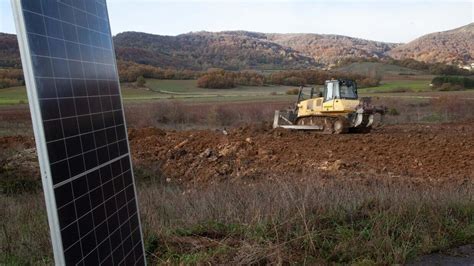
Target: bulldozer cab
{"x": 306, "y": 93}
{"x": 340, "y": 89}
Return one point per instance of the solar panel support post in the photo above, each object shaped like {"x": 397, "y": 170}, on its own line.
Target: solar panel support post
{"x": 38, "y": 131}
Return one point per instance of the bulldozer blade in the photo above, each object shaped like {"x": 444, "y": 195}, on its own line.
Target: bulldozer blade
{"x": 290, "y": 125}
{"x": 276, "y": 119}
{"x": 302, "y": 127}
{"x": 278, "y": 116}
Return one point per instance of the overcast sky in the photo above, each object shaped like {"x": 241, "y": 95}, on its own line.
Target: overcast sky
{"x": 390, "y": 21}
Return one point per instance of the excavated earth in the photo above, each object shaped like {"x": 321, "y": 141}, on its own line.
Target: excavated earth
{"x": 435, "y": 155}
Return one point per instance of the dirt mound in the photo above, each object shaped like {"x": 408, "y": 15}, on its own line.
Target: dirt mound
{"x": 417, "y": 154}
{"x": 436, "y": 154}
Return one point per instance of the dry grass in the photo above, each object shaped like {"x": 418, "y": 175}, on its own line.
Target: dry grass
{"x": 179, "y": 115}
{"x": 444, "y": 109}
{"x": 270, "y": 223}
{"x": 24, "y": 237}
{"x": 15, "y": 120}
{"x": 292, "y": 222}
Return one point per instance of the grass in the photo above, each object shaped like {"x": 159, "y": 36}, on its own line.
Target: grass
{"x": 14, "y": 95}
{"x": 185, "y": 90}
{"x": 188, "y": 90}
{"x": 291, "y": 222}
{"x": 380, "y": 69}
{"x": 400, "y": 86}
{"x": 270, "y": 223}
{"x": 174, "y": 86}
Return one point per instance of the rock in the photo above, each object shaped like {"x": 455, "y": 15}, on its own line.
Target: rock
{"x": 206, "y": 154}
{"x": 181, "y": 144}
{"x": 334, "y": 166}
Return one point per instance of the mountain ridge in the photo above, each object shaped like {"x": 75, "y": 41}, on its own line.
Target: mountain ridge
{"x": 237, "y": 50}
{"x": 455, "y": 46}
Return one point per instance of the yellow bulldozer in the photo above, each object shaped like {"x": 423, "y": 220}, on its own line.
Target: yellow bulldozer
{"x": 335, "y": 110}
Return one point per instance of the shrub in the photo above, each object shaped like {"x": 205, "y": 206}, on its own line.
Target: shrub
{"x": 216, "y": 80}
{"x": 141, "y": 81}
{"x": 464, "y": 82}
{"x": 294, "y": 91}
{"x": 451, "y": 87}
{"x": 130, "y": 72}
{"x": 6, "y": 83}
{"x": 294, "y": 81}
{"x": 10, "y": 77}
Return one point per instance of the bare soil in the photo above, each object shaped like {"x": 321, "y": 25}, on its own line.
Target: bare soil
{"x": 418, "y": 154}
{"x": 435, "y": 154}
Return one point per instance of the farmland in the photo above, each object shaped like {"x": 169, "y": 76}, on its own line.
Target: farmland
{"x": 187, "y": 91}
{"x": 217, "y": 184}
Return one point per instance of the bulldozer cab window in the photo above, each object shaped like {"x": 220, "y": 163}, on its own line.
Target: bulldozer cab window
{"x": 331, "y": 91}
{"x": 306, "y": 94}
{"x": 348, "y": 92}
{"x": 340, "y": 90}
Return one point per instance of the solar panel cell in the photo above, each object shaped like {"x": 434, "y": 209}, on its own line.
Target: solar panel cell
{"x": 72, "y": 62}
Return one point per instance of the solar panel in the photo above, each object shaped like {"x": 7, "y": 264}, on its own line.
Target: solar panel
{"x": 74, "y": 95}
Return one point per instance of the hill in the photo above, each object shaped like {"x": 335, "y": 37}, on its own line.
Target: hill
{"x": 242, "y": 49}
{"x": 203, "y": 50}
{"x": 239, "y": 50}
{"x": 330, "y": 49}
{"x": 451, "y": 47}
{"x": 9, "y": 51}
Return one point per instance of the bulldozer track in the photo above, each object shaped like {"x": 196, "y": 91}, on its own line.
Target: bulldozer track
{"x": 329, "y": 124}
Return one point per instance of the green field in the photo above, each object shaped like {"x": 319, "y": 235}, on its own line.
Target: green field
{"x": 379, "y": 69}
{"x": 401, "y": 86}
{"x": 189, "y": 89}
{"x": 186, "y": 90}
{"x": 15, "y": 95}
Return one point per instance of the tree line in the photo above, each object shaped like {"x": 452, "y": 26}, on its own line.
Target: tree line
{"x": 130, "y": 71}
{"x": 11, "y": 77}
{"x": 221, "y": 79}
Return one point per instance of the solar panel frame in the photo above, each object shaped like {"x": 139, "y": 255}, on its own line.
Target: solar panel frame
{"x": 46, "y": 160}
